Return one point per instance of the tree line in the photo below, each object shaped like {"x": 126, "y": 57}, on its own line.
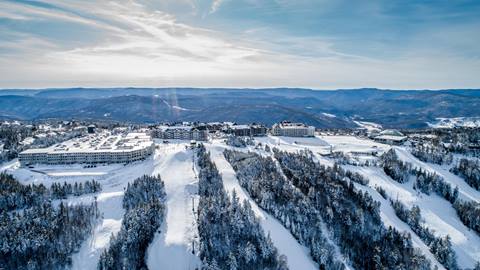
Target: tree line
{"x": 230, "y": 235}
{"x": 427, "y": 182}
{"x": 144, "y": 204}
{"x": 351, "y": 215}
{"x": 40, "y": 235}
{"x": 14, "y": 195}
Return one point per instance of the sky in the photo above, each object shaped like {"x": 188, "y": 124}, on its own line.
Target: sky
{"x": 320, "y": 44}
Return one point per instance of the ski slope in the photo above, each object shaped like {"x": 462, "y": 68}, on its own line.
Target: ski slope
{"x": 437, "y": 213}
{"x": 113, "y": 178}
{"x": 389, "y": 218}
{"x": 297, "y": 255}
{"x": 465, "y": 191}
{"x": 172, "y": 247}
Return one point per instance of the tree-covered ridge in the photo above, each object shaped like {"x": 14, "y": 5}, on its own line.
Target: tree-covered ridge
{"x": 40, "y": 236}
{"x": 145, "y": 210}
{"x": 14, "y": 195}
{"x": 351, "y": 215}
{"x": 260, "y": 177}
{"x": 230, "y": 235}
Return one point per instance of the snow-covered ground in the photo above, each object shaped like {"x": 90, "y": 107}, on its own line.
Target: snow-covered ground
{"x": 370, "y": 126}
{"x": 437, "y": 213}
{"x": 466, "y": 192}
{"x": 353, "y": 144}
{"x": 389, "y": 218}
{"x": 297, "y": 255}
{"x": 455, "y": 122}
{"x": 172, "y": 248}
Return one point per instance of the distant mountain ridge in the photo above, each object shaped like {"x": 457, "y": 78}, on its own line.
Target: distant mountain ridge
{"x": 390, "y": 108}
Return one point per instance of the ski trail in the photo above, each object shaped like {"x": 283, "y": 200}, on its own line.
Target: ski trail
{"x": 283, "y": 240}
{"x": 437, "y": 213}
{"x": 465, "y": 191}
{"x": 172, "y": 247}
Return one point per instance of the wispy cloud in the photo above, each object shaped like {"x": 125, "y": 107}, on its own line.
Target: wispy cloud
{"x": 215, "y": 5}
{"x": 245, "y": 43}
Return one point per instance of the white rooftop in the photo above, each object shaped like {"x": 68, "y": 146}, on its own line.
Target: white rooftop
{"x": 101, "y": 142}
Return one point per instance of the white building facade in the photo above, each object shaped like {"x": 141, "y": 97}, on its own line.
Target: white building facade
{"x": 112, "y": 149}
{"x": 180, "y": 133}
{"x": 293, "y": 130}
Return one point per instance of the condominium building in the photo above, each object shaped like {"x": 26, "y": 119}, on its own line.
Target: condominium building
{"x": 289, "y": 129}
{"x": 98, "y": 148}
{"x": 252, "y": 130}
{"x": 199, "y": 133}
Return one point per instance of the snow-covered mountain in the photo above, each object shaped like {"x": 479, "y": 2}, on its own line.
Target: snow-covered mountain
{"x": 456, "y": 122}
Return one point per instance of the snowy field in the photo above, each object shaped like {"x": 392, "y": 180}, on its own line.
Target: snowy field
{"x": 175, "y": 245}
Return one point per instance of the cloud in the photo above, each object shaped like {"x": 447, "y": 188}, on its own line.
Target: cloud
{"x": 139, "y": 43}
{"x": 215, "y": 5}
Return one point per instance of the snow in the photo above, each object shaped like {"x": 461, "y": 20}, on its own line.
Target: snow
{"x": 437, "y": 213}
{"x": 455, "y": 122}
{"x": 353, "y": 144}
{"x": 172, "y": 247}
{"x": 295, "y": 143}
{"x": 370, "y": 126}
{"x": 329, "y": 115}
{"x": 466, "y": 192}
{"x": 175, "y": 107}
{"x": 297, "y": 255}
{"x": 389, "y": 218}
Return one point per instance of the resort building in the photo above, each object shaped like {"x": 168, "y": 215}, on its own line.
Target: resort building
{"x": 97, "y": 148}
{"x": 390, "y": 136}
{"x": 252, "y": 130}
{"x": 199, "y": 133}
{"x": 289, "y": 129}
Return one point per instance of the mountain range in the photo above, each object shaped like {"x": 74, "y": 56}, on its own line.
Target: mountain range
{"x": 321, "y": 108}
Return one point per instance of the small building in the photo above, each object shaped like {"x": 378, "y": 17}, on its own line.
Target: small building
{"x": 391, "y": 136}
{"x": 289, "y": 129}
{"x": 91, "y": 129}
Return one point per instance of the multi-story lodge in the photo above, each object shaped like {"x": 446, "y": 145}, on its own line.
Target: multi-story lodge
{"x": 253, "y": 130}
{"x": 289, "y": 129}
{"x": 98, "y": 148}
{"x": 197, "y": 133}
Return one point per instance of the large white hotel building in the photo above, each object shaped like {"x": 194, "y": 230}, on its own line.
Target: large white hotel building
{"x": 92, "y": 149}
{"x": 289, "y": 129}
